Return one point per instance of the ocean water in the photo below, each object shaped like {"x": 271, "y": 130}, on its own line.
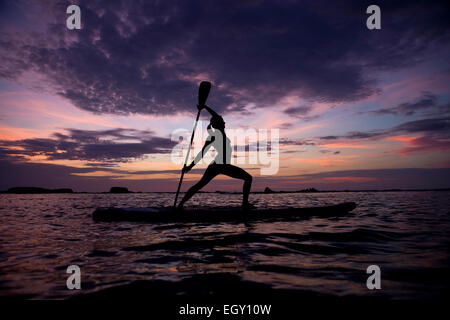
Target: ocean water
{"x": 405, "y": 233}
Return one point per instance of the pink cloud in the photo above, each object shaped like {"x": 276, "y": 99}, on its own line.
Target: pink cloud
{"x": 423, "y": 144}
{"x": 344, "y": 145}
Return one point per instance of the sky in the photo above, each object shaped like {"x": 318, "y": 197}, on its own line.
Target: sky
{"x": 97, "y": 107}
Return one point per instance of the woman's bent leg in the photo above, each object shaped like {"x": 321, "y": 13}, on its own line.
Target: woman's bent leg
{"x": 238, "y": 173}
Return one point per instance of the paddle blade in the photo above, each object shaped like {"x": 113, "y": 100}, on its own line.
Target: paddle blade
{"x": 203, "y": 92}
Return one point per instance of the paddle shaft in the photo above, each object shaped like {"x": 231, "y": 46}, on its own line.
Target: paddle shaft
{"x": 187, "y": 157}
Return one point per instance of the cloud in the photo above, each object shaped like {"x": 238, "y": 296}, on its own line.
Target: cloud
{"x": 423, "y": 144}
{"x": 115, "y": 145}
{"x": 301, "y": 112}
{"x": 406, "y": 178}
{"x": 242, "y": 110}
{"x": 436, "y": 126}
{"x": 329, "y": 151}
{"x": 427, "y": 103}
{"x": 298, "y": 111}
{"x": 434, "y": 135}
{"x": 286, "y": 125}
{"x": 148, "y": 57}
{"x": 296, "y": 142}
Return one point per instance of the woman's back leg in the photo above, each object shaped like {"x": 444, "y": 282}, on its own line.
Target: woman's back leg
{"x": 209, "y": 174}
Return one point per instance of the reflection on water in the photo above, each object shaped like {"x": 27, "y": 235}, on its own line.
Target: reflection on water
{"x": 405, "y": 233}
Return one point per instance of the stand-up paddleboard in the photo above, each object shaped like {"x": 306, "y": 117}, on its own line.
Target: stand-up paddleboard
{"x": 169, "y": 214}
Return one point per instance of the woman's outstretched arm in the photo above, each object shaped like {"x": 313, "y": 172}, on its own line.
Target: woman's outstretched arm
{"x": 200, "y": 155}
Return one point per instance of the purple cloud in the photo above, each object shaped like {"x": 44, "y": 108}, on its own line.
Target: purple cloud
{"x": 116, "y": 145}
{"x": 147, "y": 57}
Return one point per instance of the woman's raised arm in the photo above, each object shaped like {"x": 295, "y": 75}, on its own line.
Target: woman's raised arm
{"x": 211, "y": 111}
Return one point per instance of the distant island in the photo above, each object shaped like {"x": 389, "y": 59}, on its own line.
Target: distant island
{"x": 308, "y": 190}
{"x": 119, "y": 190}
{"x": 28, "y": 190}
{"x": 267, "y": 190}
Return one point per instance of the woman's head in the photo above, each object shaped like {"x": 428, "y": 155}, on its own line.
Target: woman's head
{"x": 217, "y": 122}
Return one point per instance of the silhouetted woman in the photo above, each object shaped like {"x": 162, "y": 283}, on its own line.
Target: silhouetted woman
{"x": 221, "y": 163}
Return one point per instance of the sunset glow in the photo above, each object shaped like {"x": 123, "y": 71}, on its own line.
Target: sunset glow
{"x": 71, "y": 102}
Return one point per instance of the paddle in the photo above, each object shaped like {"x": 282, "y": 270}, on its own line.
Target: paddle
{"x": 203, "y": 92}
